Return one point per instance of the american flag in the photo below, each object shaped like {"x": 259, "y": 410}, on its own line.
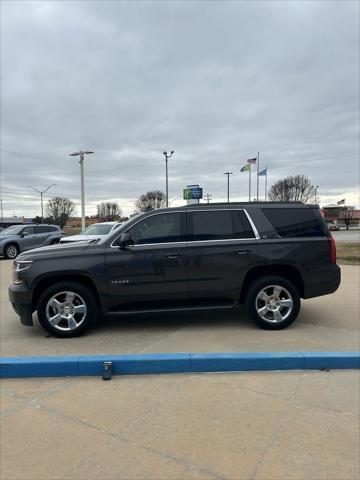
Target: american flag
{"x": 252, "y": 160}
{"x": 341, "y": 202}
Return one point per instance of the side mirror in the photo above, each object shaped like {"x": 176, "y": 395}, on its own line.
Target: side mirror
{"x": 124, "y": 241}
{"x": 23, "y": 234}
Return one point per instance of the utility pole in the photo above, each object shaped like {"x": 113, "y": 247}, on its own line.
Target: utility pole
{"x": 266, "y": 185}
{"x": 228, "y": 185}
{"x": 166, "y": 173}
{"x": 81, "y": 154}
{"x": 208, "y": 198}
{"x": 316, "y": 189}
{"x": 2, "y": 212}
{"x": 257, "y": 177}
{"x": 41, "y": 197}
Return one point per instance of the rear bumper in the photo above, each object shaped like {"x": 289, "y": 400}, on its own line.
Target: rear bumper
{"x": 20, "y": 298}
{"x": 322, "y": 281}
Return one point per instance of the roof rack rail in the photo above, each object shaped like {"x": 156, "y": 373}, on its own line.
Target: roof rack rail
{"x": 292, "y": 202}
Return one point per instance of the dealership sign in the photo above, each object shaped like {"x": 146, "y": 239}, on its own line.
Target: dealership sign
{"x": 193, "y": 192}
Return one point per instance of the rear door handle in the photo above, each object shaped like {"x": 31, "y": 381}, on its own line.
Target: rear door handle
{"x": 173, "y": 255}
{"x": 242, "y": 252}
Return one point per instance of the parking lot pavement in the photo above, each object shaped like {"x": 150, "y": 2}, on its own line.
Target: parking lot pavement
{"x": 350, "y": 236}
{"x": 264, "y": 425}
{"x": 329, "y": 323}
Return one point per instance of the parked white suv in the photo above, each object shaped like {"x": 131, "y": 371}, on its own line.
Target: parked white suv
{"x": 96, "y": 230}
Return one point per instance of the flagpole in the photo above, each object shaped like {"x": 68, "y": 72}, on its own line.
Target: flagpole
{"x": 250, "y": 183}
{"x": 257, "y": 179}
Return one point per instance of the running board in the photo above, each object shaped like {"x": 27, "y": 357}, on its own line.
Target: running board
{"x": 175, "y": 309}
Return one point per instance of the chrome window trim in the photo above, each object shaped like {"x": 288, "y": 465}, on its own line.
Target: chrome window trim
{"x": 190, "y": 242}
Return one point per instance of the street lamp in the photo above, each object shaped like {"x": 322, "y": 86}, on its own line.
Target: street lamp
{"x": 166, "y": 168}
{"x": 81, "y": 153}
{"x": 41, "y": 197}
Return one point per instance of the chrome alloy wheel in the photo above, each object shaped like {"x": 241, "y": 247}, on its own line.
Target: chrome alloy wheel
{"x": 66, "y": 311}
{"x": 274, "y": 303}
{"x": 11, "y": 251}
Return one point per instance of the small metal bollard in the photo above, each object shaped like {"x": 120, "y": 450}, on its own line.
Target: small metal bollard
{"x": 107, "y": 370}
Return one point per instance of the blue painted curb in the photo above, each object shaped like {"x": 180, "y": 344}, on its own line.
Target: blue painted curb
{"x": 55, "y": 366}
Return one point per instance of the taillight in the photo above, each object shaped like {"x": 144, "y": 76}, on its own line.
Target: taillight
{"x": 332, "y": 249}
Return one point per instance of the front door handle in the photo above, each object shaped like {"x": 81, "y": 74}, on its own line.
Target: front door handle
{"x": 173, "y": 256}
{"x": 242, "y": 252}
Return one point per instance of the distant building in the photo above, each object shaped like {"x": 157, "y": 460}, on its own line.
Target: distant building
{"x": 334, "y": 213}
{"x": 75, "y": 222}
{"x": 9, "y": 221}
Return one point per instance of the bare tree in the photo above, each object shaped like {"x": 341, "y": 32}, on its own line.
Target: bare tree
{"x": 347, "y": 215}
{"x": 60, "y": 209}
{"x": 150, "y": 201}
{"x": 293, "y": 188}
{"x": 108, "y": 211}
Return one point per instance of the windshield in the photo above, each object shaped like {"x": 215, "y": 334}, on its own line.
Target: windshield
{"x": 97, "y": 229}
{"x": 12, "y": 230}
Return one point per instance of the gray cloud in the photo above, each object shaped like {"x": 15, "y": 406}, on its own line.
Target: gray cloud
{"x": 216, "y": 81}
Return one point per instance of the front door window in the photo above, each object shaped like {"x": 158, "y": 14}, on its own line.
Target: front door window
{"x": 161, "y": 228}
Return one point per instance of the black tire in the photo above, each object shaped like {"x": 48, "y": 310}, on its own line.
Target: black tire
{"x": 11, "y": 251}
{"x": 82, "y": 294}
{"x": 54, "y": 242}
{"x": 253, "y": 303}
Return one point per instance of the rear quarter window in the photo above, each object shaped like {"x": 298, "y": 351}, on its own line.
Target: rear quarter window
{"x": 296, "y": 222}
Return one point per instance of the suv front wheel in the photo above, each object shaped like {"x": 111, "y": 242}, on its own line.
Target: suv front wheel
{"x": 67, "y": 309}
{"x": 11, "y": 251}
{"x": 273, "y": 302}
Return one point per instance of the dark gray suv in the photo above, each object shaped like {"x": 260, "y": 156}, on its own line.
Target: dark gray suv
{"x": 19, "y": 238}
{"x": 266, "y": 256}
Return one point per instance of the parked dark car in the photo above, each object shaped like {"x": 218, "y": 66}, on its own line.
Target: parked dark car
{"x": 266, "y": 256}
{"x": 19, "y": 238}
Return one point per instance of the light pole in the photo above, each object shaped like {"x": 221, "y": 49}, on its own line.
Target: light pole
{"x": 81, "y": 153}
{"x": 228, "y": 185}
{"x": 316, "y": 189}
{"x": 166, "y": 169}
{"x": 41, "y": 197}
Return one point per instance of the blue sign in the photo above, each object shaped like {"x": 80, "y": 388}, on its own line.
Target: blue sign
{"x": 193, "y": 193}
{"x": 196, "y": 193}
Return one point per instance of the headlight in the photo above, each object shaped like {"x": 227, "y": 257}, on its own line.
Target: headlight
{"x": 21, "y": 266}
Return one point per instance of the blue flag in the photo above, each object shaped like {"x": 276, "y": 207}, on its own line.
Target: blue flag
{"x": 263, "y": 172}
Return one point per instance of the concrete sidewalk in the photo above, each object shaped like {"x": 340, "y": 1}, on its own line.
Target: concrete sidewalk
{"x": 270, "y": 426}
{"x": 329, "y": 323}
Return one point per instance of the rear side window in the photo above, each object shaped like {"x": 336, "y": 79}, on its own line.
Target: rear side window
{"x": 219, "y": 225}
{"x": 41, "y": 229}
{"x": 295, "y": 222}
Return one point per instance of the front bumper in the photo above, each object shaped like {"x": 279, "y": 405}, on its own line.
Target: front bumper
{"x": 20, "y": 297}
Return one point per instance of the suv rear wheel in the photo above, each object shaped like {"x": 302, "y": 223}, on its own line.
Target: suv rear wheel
{"x": 67, "y": 309}
{"x": 273, "y": 302}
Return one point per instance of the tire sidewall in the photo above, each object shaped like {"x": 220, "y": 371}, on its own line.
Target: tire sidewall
{"x": 253, "y": 291}
{"x": 84, "y": 292}
{"x": 11, "y": 245}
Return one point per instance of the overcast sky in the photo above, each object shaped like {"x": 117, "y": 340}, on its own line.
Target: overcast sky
{"x": 215, "y": 81}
